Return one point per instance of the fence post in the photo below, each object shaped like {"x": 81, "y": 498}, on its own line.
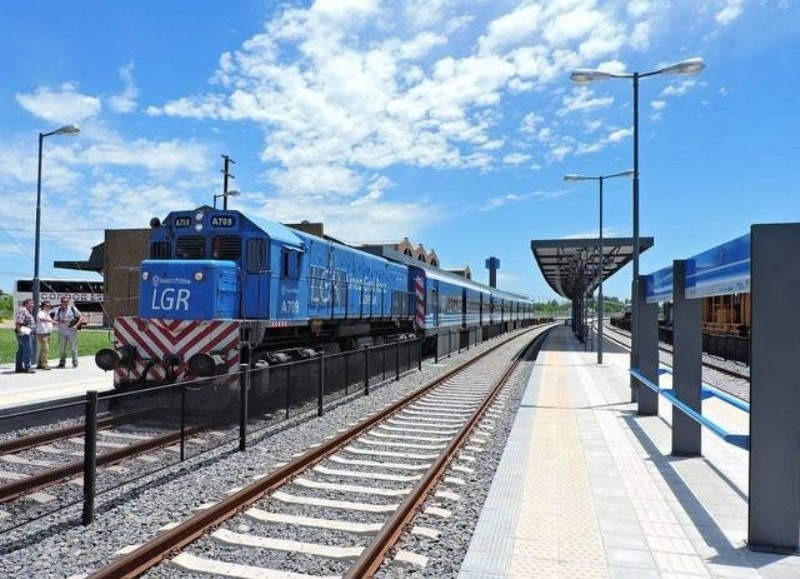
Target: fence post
{"x": 397, "y": 361}
{"x": 419, "y": 354}
{"x": 183, "y": 420}
{"x": 436, "y": 349}
{"x": 288, "y": 390}
{"x": 346, "y": 359}
{"x": 89, "y": 457}
{"x": 687, "y": 366}
{"x": 244, "y": 394}
{"x": 773, "y": 508}
{"x": 647, "y": 338}
{"x": 321, "y": 391}
{"x": 366, "y": 370}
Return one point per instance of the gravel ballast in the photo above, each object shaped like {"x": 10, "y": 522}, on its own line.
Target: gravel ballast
{"x": 57, "y": 546}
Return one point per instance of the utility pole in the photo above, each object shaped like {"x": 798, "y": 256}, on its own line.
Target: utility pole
{"x": 225, "y": 174}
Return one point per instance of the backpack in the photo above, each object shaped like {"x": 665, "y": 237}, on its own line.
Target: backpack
{"x": 77, "y": 318}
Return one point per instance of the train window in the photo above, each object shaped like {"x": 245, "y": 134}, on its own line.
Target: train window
{"x": 160, "y": 250}
{"x": 226, "y": 247}
{"x": 290, "y": 264}
{"x": 190, "y": 247}
{"x": 257, "y": 256}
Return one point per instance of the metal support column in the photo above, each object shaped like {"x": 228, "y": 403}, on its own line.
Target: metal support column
{"x": 574, "y": 315}
{"x": 774, "y": 499}
{"x": 647, "y": 318}
{"x": 687, "y": 363}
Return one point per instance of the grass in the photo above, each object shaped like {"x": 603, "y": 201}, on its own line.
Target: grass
{"x": 89, "y": 342}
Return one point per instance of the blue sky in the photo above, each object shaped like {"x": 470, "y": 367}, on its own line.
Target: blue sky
{"x": 450, "y": 122}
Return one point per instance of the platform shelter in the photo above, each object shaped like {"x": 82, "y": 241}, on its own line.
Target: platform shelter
{"x": 574, "y": 269}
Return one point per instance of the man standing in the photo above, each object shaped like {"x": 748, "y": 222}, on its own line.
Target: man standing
{"x": 44, "y": 325}
{"x": 23, "y": 326}
{"x": 67, "y": 317}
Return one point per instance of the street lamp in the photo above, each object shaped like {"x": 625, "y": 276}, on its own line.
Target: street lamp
{"x": 68, "y": 130}
{"x": 583, "y": 76}
{"x": 599, "y": 179}
{"x": 225, "y": 195}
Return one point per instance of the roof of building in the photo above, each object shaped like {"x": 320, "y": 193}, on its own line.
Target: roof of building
{"x": 95, "y": 263}
{"x": 572, "y": 266}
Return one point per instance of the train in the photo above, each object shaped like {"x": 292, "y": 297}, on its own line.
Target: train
{"x": 221, "y": 289}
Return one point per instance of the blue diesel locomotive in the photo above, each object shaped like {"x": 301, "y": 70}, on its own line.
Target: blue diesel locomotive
{"x": 221, "y": 289}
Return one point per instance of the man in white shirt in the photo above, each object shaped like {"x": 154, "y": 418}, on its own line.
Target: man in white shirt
{"x": 67, "y": 317}
{"x": 44, "y": 325}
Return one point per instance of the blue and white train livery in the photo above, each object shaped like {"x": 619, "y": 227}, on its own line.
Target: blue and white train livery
{"x": 220, "y": 289}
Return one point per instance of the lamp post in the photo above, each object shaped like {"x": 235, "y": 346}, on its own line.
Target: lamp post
{"x": 599, "y": 179}
{"x": 584, "y": 76}
{"x": 225, "y": 195}
{"x": 68, "y": 130}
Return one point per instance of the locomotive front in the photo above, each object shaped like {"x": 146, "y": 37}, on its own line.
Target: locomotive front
{"x": 188, "y": 324}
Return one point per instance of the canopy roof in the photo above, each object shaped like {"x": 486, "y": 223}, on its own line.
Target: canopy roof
{"x": 572, "y": 266}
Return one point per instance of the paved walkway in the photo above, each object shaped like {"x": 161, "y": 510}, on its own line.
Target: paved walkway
{"x": 588, "y": 489}
{"x": 23, "y": 389}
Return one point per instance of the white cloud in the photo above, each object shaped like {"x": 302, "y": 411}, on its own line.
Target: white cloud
{"x": 641, "y": 8}
{"x": 512, "y": 28}
{"x": 730, "y": 12}
{"x": 640, "y": 37}
{"x": 582, "y": 99}
{"x": 516, "y": 158}
{"x": 612, "y": 137}
{"x": 155, "y": 156}
{"x": 531, "y": 122}
{"x": 591, "y": 126}
{"x": 658, "y": 105}
{"x": 125, "y": 102}
{"x": 680, "y": 87}
{"x": 60, "y": 106}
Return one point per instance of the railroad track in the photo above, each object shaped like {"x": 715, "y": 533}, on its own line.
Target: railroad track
{"x": 341, "y": 506}
{"x": 53, "y": 461}
{"x": 626, "y": 344}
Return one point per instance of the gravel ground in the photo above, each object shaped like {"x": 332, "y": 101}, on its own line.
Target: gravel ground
{"x": 57, "y": 546}
{"x": 446, "y": 554}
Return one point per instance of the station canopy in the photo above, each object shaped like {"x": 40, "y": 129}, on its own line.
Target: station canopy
{"x": 572, "y": 266}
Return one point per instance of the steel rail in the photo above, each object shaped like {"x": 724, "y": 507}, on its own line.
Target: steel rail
{"x": 720, "y": 369}
{"x": 150, "y": 554}
{"x": 372, "y": 558}
{"x": 12, "y": 490}
{"x": 28, "y": 442}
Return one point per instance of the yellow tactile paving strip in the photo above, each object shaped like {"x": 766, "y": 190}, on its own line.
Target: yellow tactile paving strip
{"x": 557, "y": 532}
{"x": 586, "y": 488}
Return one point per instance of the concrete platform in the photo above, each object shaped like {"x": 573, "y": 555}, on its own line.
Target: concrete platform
{"x": 56, "y": 384}
{"x": 586, "y": 488}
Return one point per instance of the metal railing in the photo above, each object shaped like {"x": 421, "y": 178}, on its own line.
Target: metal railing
{"x": 740, "y": 440}
{"x": 238, "y": 407}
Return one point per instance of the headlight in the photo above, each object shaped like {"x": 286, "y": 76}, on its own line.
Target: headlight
{"x": 145, "y": 275}
{"x": 206, "y": 364}
{"x": 199, "y": 276}
{"x": 198, "y": 227}
{"x": 198, "y": 216}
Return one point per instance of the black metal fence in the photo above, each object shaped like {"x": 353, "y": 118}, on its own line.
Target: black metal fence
{"x": 725, "y": 346}
{"x": 164, "y": 424}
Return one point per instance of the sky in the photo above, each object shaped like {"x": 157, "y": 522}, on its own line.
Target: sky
{"x": 450, "y": 122}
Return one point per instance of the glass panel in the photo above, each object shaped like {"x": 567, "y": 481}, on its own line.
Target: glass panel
{"x": 160, "y": 250}
{"x": 226, "y": 247}
{"x": 257, "y": 255}
{"x": 190, "y": 247}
